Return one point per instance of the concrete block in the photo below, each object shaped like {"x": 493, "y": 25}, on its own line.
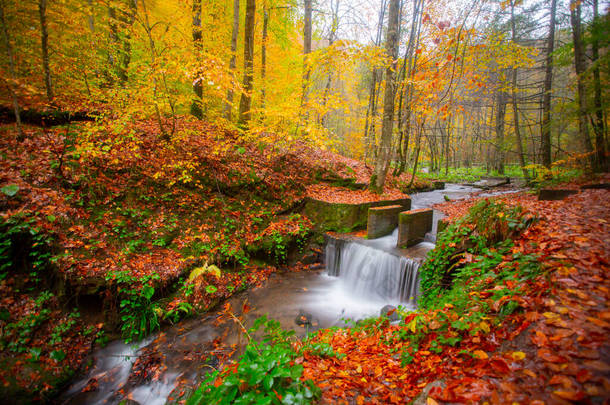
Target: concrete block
{"x": 549, "y": 194}
{"x": 413, "y": 226}
{"x": 344, "y": 217}
{"x": 382, "y": 220}
{"x": 441, "y": 225}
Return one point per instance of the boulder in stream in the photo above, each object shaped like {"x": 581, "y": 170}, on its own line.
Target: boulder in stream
{"x": 391, "y": 312}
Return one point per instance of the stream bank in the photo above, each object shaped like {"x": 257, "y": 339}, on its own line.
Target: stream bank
{"x": 179, "y": 356}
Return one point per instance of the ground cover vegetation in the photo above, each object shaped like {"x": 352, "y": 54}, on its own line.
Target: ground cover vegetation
{"x": 155, "y": 157}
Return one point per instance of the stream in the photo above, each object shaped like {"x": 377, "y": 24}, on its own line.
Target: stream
{"x": 362, "y": 277}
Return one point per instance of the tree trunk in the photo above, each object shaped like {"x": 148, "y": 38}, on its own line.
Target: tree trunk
{"x": 264, "y": 52}
{"x": 500, "y": 113}
{"x": 514, "y": 98}
{"x": 306, "y": 49}
{"x": 580, "y": 67}
{"x": 245, "y": 103}
{"x": 196, "y": 104}
{"x": 381, "y": 165}
{"x": 233, "y": 61}
{"x": 371, "y": 112}
{"x": 11, "y": 71}
{"x": 121, "y": 43}
{"x": 545, "y": 130}
{"x": 598, "y": 122}
{"x": 44, "y": 43}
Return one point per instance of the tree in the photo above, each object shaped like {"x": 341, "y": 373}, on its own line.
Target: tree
{"x": 44, "y": 45}
{"x": 196, "y": 109}
{"x": 121, "y": 14}
{"x": 514, "y": 96}
{"x": 580, "y": 67}
{"x": 233, "y": 61}
{"x": 383, "y": 157}
{"x": 306, "y": 48}
{"x": 245, "y": 103}
{"x": 264, "y": 51}
{"x": 11, "y": 66}
{"x": 545, "y": 128}
{"x": 598, "y": 121}
{"x": 371, "y": 112}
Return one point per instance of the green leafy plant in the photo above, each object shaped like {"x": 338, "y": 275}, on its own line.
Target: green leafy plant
{"x": 266, "y": 374}
{"x": 139, "y": 314}
{"x": 20, "y": 238}
{"x": 17, "y": 335}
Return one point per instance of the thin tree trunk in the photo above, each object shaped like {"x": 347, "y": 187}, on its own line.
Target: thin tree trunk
{"x": 264, "y": 52}
{"x": 121, "y": 43}
{"x": 514, "y": 98}
{"x": 579, "y": 66}
{"x": 44, "y": 44}
{"x": 153, "y": 56}
{"x": 233, "y": 61}
{"x": 369, "y": 123}
{"x": 416, "y": 160}
{"x": 245, "y": 103}
{"x": 11, "y": 70}
{"x": 196, "y": 104}
{"x": 382, "y": 163}
{"x": 306, "y": 49}
{"x": 500, "y": 113}
{"x": 598, "y": 122}
{"x": 548, "y": 86}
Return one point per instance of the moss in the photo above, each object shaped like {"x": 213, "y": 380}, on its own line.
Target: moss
{"x": 342, "y": 217}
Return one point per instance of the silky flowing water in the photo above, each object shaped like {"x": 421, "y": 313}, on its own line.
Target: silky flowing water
{"x": 362, "y": 276}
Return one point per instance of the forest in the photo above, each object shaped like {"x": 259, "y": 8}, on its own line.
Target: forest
{"x": 304, "y": 201}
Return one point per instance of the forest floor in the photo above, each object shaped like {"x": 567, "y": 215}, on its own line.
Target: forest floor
{"x": 553, "y": 350}
{"x": 93, "y": 212}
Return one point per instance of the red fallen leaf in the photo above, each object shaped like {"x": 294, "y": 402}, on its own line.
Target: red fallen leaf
{"x": 563, "y": 380}
{"x": 570, "y": 395}
{"x": 547, "y": 355}
{"x": 598, "y": 365}
{"x": 499, "y": 365}
{"x": 583, "y": 375}
{"x": 245, "y": 308}
{"x": 539, "y": 339}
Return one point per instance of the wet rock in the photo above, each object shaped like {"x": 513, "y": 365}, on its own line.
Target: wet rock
{"x": 128, "y": 402}
{"x": 547, "y": 194}
{"x": 597, "y": 186}
{"x": 213, "y": 361}
{"x": 390, "y": 311}
{"x": 310, "y": 258}
{"x": 422, "y": 399}
{"x": 304, "y": 319}
{"x": 179, "y": 395}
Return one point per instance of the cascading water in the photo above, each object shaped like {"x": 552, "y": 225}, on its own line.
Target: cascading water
{"x": 373, "y": 269}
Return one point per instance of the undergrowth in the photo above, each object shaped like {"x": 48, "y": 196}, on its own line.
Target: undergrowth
{"x": 267, "y": 372}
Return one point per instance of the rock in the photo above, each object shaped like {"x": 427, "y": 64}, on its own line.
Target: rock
{"x": 548, "y": 194}
{"x": 128, "y": 402}
{"x": 422, "y": 399}
{"x": 438, "y": 185}
{"x": 303, "y": 319}
{"x": 391, "y": 312}
{"x": 310, "y": 258}
{"x": 597, "y": 186}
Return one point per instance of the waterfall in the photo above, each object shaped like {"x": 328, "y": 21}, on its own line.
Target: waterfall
{"x": 371, "y": 272}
